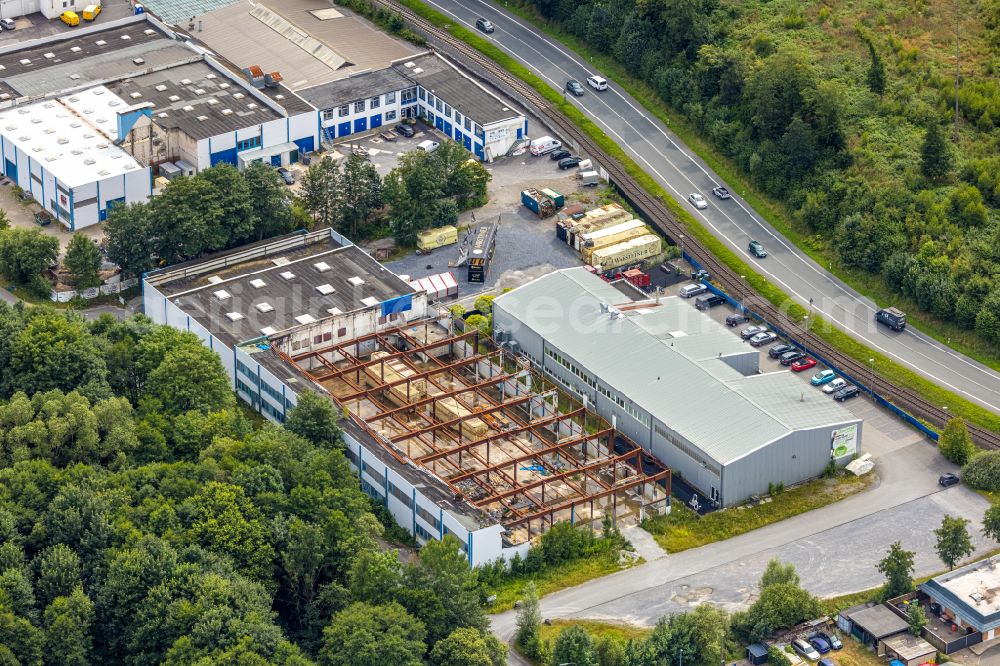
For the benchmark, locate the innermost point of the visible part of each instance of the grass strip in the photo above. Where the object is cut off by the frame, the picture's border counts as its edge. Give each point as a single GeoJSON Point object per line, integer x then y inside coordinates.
{"type": "Point", "coordinates": [889, 369]}
{"type": "Point", "coordinates": [682, 528]}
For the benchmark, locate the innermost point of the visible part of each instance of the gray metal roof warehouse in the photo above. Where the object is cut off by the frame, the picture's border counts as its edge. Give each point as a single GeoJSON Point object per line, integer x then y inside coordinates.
{"type": "Point", "coordinates": [677, 382]}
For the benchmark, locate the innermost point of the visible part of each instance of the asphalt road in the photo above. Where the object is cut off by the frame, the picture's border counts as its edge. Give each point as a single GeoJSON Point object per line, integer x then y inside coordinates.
{"type": "Point", "coordinates": [673, 164]}
{"type": "Point", "coordinates": [834, 548]}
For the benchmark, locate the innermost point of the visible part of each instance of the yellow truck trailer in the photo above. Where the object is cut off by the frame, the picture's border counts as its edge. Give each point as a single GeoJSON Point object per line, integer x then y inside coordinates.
{"type": "Point", "coordinates": [618, 233]}
{"type": "Point", "coordinates": [629, 252]}
{"type": "Point", "coordinates": [435, 238]}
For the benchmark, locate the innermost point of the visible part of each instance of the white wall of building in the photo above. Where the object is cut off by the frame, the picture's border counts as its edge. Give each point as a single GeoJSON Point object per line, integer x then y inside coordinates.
{"type": "Point", "coordinates": [361, 116]}
{"type": "Point", "coordinates": [227, 147]}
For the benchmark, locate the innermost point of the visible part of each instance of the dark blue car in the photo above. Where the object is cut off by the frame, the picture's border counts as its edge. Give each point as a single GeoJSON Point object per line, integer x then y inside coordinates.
{"type": "Point", "coordinates": [821, 646]}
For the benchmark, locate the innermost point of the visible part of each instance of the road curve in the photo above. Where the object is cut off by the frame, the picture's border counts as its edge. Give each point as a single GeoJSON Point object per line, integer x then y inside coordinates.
{"type": "Point", "coordinates": [658, 151]}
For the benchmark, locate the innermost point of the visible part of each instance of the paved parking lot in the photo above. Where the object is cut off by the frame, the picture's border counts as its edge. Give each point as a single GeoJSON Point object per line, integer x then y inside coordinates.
{"type": "Point", "coordinates": [34, 26]}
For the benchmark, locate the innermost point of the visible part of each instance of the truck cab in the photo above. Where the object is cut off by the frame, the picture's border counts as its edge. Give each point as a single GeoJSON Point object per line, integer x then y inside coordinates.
{"type": "Point", "coordinates": [891, 317]}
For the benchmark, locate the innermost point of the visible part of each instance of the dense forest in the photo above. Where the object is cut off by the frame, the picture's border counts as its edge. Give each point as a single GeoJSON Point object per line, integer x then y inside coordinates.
{"type": "Point", "coordinates": [146, 519]}
{"type": "Point", "coordinates": [844, 112]}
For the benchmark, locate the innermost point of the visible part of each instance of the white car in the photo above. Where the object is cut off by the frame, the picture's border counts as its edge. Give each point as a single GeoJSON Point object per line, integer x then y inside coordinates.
{"type": "Point", "coordinates": [428, 146]}
{"type": "Point", "coordinates": [698, 201]}
{"type": "Point", "coordinates": [805, 649]}
{"type": "Point", "coordinates": [597, 83]}
{"type": "Point", "coordinates": [835, 385]}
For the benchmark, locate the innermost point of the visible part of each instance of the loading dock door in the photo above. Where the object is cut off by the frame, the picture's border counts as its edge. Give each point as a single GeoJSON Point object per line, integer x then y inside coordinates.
{"type": "Point", "coordinates": [276, 160]}
{"type": "Point", "coordinates": [360, 124]}
{"type": "Point", "coordinates": [439, 123]}
{"type": "Point", "coordinates": [344, 129]}
{"type": "Point", "coordinates": [468, 142]}
{"type": "Point", "coordinates": [11, 170]}
{"type": "Point", "coordinates": [376, 121]}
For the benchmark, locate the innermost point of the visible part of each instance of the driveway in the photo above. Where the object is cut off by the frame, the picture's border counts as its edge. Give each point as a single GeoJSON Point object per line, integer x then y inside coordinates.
{"type": "Point", "coordinates": [834, 548]}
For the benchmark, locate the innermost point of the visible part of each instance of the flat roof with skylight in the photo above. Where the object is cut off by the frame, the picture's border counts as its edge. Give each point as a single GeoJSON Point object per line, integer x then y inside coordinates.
{"type": "Point", "coordinates": [72, 136]}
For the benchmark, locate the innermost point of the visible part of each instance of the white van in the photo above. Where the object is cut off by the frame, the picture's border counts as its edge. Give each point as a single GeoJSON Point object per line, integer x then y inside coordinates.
{"type": "Point", "coordinates": [544, 144]}
{"type": "Point", "coordinates": [428, 146]}
{"type": "Point", "coordinates": [689, 290]}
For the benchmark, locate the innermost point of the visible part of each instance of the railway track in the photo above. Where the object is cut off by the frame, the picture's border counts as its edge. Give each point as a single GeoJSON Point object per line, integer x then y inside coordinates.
{"type": "Point", "coordinates": [657, 213]}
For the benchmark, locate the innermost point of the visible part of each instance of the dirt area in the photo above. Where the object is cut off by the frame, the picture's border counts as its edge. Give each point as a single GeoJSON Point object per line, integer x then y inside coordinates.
{"type": "Point", "coordinates": [35, 26]}
{"type": "Point", "coordinates": [21, 214]}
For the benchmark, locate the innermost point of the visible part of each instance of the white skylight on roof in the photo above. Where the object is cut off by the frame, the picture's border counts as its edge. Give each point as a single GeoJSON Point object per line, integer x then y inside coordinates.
{"type": "Point", "coordinates": [257, 283]}
{"type": "Point", "coordinates": [279, 261]}
{"type": "Point", "coordinates": [126, 37]}
{"type": "Point", "coordinates": [161, 87]}
{"type": "Point", "coordinates": [356, 281]}
{"type": "Point", "coordinates": [100, 42]}
{"type": "Point", "coordinates": [234, 316]}
{"type": "Point", "coordinates": [75, 49]}
{"type": "Point", "coordinates": [267, 330]}
{"type": "Point", "coordinates": [325, 289]}
{"type": "Point", "coordinates": [370, 301]}
{"type": "Point", "coordinates": [335, 311]}
{"type": "Point", "coordinates": [265, 307]}
{"type": "Point", "coordinates": [321, 266]}
{"type": "Point", "coordinates": [189, 108]}
{"type": "Point", "coordinates": [251, 105]}
{"type": "Point", "coordinates": [174, 98]}
{"type": "Point", "coordinates": [215, 279]}
{"type": "Point", "coordinates": [238, 95]}
{"type": "Point", "coordinates": [50, 55]}
{"type": "Point", "coordinates": [210, 76]}
{"type": "Point", "coordinates": [221, 294]}
{"type": "Point", "coordinates": [288, 275]}
{"type": "Point", "coordinates": [305, 319]}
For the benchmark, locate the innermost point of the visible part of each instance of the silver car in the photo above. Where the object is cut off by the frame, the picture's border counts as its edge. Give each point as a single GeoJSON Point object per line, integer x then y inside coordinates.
{"type": "Point", "coordinates": [762, 339]}
{"type": "Point", "coordinates": [698, 200]}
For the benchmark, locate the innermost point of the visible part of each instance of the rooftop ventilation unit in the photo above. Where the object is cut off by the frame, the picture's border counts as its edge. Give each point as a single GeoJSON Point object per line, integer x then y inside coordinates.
{"type": "Point", "coordinates": [189, 108]}
{"type": "Point", "coordinates": [224, 85]}
{"type": "Point", "coordinates": [221, 294]}
{"type": "Point", "coordinates": [75, 125]}
{"type": "Point", "coordinates": [234, 316]}
{"type": "Point", "coordinates": [75, 49]}
{"type": "Point", "coordinates": [76, 151]}
{"type": "Point", "coordinates": [104, 172]}
{"type": "Point", "coordinates": [321, 266]}
{"type": "Point", "coordinates": [273, 79]}
{"type": "Point", "coordinates": [409, 64]}
{"type": "Point", "coordinates": [227, 112]}
{"type": "Point", "coordinates": [257, 283]}
{"type": "Point", "coordinates": [255, 75]}
{"type": "Point", "coordinates": [174, 98]}
{"type": "Point", "coordinates": [418, 70]}
{"type": "Point", "coordinates": [149, 31]}
{"type": "Point", "coordinates": [136, 95]}
{"type": "Point", "coordinates": [356, 281]}
{"type": "Point", "coordinates": [267, 330]}
{"type": "Point", "coordinates": [160, 87]}
{"type": "Point", "coordinates": [50, 55]}
{"type": "Point", "coordinates": [210, 76]}
{"type": "Point", "coordinates": [279, 97]}
{"type": "Point", "coordinates": [288, 275]}
{"type": "Point", "coordinates": [100, 42]}
{"type": "Point", "coordinates": [305, 319]}
{"type": "Point", "coordinates": [238, 95]}
{"type": "Point", "coordinates": [138, 61]}
{"type": "Point", "coordinates": [325, 289]}
{"type": "Point", "coordinates": [202, 118]}
{"type": "Point", "coordinates": [89, 161]}
{"type": "Point", "coordinates": [251, 105]}
{"type": "Point", "coordinates": [185, 82]}
{"type": "Point", "coordinates": [50, 130]}
{"type": "Point", "coordinates": [25, 61]}
{"type": "Point", "coordinates": [215, 279]}
{"type": "Point", "coordinates": [199, 91]}
{"type": "Point", "coordinates": [212, 101]}
{"type": "Point", "coordinates": [126, 37]}
{"type": "Point", "coordinates": [265, 307]}
{"type": "Point", "coordinates": [75, 77]}
{"type": "Point", "coordinates": [62, 141]}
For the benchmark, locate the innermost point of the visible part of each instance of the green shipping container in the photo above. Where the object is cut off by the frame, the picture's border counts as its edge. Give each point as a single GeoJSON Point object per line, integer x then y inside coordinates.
{"type": "Point", "coordinates": [558, 199]}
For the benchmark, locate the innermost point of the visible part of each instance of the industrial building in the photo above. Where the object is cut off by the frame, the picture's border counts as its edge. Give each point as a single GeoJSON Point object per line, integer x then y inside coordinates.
{"type": "Point", "coordinates": [676, 382]}
{"type": "Point", "coordinates": [90, 117]}
{"type": "Point", "coordinates": [446, 428]}
{"type": "Point", "coordinates": [357, 77]}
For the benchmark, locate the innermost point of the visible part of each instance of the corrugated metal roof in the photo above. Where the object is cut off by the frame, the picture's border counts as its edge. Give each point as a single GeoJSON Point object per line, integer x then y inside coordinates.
{"type": "Point", "coordinates": [670, 360]}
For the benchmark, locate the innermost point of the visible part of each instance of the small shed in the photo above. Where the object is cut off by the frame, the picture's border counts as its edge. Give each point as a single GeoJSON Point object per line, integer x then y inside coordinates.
{"type": "Point", "coordinates": [757, 654]}
{"type": "Point", "coordinates": [872, 624]}
{"type": "Point", "coordinates": [908, 649]}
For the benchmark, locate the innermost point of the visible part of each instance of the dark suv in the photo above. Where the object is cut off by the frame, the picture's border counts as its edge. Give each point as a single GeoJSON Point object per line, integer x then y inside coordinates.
{"type": "Point", "coordinates": [847, 393]}
{"type": "Point", "coordinates": [791, 357]}
{"type": "Point", "coordinates": [706, 302]}
{"type": "Point", "coordinates": [778, 350]}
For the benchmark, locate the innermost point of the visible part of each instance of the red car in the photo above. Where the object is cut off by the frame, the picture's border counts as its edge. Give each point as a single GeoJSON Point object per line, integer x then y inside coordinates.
{"type": "Point", "coordinates": [803, 364]}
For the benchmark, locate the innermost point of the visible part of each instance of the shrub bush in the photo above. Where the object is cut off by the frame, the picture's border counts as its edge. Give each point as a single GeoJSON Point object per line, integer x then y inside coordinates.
{"type": "Point", "coordinates": [983, 471]}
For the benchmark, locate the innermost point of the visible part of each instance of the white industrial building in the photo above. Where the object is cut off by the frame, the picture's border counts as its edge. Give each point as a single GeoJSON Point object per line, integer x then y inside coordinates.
{"type": "Point", "coordinates": [678, 383]}
{"type": "Point", "coordinates": [63, 152]}
{"type": "Point", "coordinates": [93, 116]}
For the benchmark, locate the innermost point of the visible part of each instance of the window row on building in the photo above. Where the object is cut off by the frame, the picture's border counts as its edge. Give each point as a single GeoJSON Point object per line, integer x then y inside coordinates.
{"type": "Point", "coordinates": [408, 96]}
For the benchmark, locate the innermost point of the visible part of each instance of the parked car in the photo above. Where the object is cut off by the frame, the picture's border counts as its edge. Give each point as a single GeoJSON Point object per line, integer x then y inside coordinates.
{"type": "Point", "coordinates": [821, 645]}
{"type": "Point", "coordinates": [751, 331]}
{"type": "Point", "coordinates": [791, 357]}
{"type": "Point", "coordinates": [894, 318]}
{"type": "Point", "coordinates": [765, 338]}
{"type": "Point", "coordinates": [721, 192]}
{"type": "Point", "coordinates": [835, 385]}
{"type": "Point", "coordinates": [405, 129]}
{"type": "Point", "coordinates": [736, 319]}
{"type": "Point", "coordinates": [43, 219]}
{"type": "Point", "coordinates": [286, 176]}
{"type": "Point", "coordinates": [559, 155]}
{"type": "Point", "coordinates": [573, 87]}
{"type": "Point", "coordinates": [805, 649]}
{"type": "Point", "coordinates": [706, 302]}
{"type": "Point", "coordinates": [7, 24]}
{"type": "Point", "coordinates": [597, 83]}
{"type": "Point", "coordinates": [803, 364]}
{"type": "Point", "coordinates": [826, 662]}
{"type": "Point", "coordinates": [569, 162]}
{"type": "Point", "coordinates": [823, 377]}
{"type": "Point", "coordinates": [698, 200]}
{"type": "Point", "coordinates": [948, 479]}
{"type": "Point", "coordinates": [757, 249]}
{"type": "Point", "coordinates": [847, 393]}
{"type": "Point", "coordinates": [778, 350]}
{"type": "Point", "coordinates": [830, 638]}
{"type": "Point", "coordinates": [690, 290]}
{"type": "Point", "coordinates": [484, 25]}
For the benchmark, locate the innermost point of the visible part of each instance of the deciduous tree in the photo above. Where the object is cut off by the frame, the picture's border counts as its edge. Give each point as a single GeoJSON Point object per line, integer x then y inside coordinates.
{"type": "Point", "coordinates": [83, 262]}
{"type": "Point", "coordinates": [191, 377]}
{"type": "Point", "coordinates": [953, 540]}
{"type": "Point", "coordinates": [574, 646]}
{"type": "Point", "coordinates": [469, 647]}
{"type": "Point", "coordinates": [955, 443]}
{"type": "Point", "coordinates": [315, 418]}
{"type": "Point", "coordinates": [68, 620]}
{"type": "Point", "coordinates": [366, 635]}
{"type": "Point", "coordinates": [916, 618]}
{"type": "Point", "coordinates": [529, 622]}
{"type": "Point", "coordinates": [897, 567]}
{"type": "Point", "coordinates": [25, 253]}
